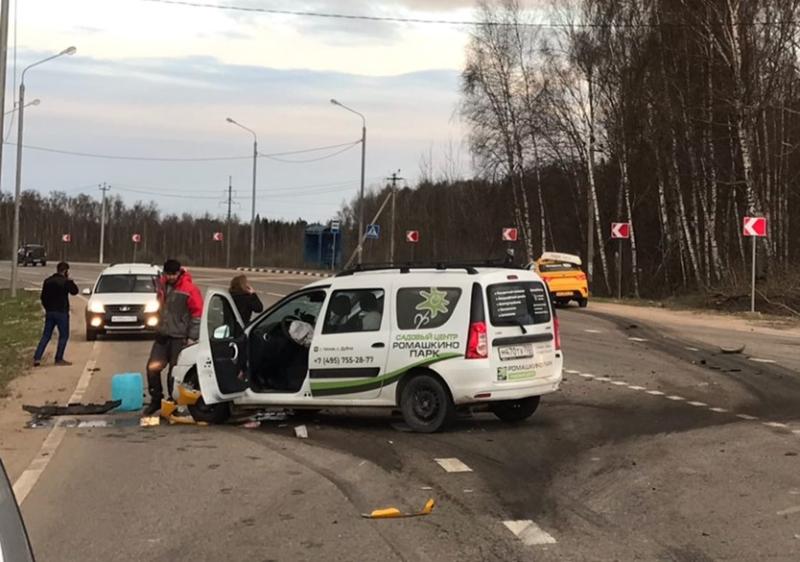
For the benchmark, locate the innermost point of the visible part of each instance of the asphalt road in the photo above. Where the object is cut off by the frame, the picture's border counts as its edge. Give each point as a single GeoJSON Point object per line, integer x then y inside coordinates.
{"type": "Point", "coordinates": [658, 447]}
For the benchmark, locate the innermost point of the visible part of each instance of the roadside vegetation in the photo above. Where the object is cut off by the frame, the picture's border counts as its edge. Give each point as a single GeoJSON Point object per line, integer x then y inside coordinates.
{"type": "Point", "coordinates": [20, 327]}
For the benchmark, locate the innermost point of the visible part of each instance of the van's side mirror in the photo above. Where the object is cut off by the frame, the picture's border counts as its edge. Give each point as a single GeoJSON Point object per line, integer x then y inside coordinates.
{"type": "Point", "coordinates": [86, 292]}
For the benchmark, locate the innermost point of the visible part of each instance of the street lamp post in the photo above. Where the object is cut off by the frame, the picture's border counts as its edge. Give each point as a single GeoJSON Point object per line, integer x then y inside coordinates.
{"type": "Point", "coordinates": [253, 211]}
{"type": "Point", "coordinates": [363, 164]}
{"type": "Point", "coordinates": [36, 101]}
{"type": "Point", "coordinates": [18, 183]}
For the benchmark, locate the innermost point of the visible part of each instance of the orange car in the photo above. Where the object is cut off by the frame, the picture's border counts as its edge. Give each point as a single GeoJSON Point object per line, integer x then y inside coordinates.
{"type": "Point", "coordinates": [564, 277]}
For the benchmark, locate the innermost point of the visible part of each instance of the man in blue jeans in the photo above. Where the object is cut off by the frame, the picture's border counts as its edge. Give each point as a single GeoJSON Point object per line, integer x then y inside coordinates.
{"type": "Point", "coordinates": [55, 300]}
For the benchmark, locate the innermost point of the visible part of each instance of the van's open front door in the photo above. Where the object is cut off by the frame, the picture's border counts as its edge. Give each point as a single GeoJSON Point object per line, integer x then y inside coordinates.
{"type": "Point", "coordinates": [222, 361]}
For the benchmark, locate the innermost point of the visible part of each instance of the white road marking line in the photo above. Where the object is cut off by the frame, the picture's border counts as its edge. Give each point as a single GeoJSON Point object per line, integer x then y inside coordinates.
{"type": "Point", "coordinates": [603, 379]}
{"type": "Point", "coordinates": [637, 339]}
{"type": "Point", "coordinates": [453, 465]}
{"type": "Point", "coordinates": [635, 387]}
{"type": "Point", "coordinates": [593, 331]}
{"type": "Point", "coordinates": [757, 360]}
{"type": "Point", "coordinates": [691, 349]}
{"type": "Point", "coordinates": [775, 424]}
{"type": "Point", "coordinates": [619, 383]}
{"type": "Point", "coordinates": [796, 431]}
{"type": "Point", "coordinates": [655, 392]}
{"type": "Point", "coordinates": [675, 397]}
{"type": "Point", "coordinates": [27, 480]}
{"type": "Point", "coordinates": [586, 375]}
{"type": "Point", "coordinates": [571, 372]}
{"type": "Point", "coordinates": [789, 511]}
{"type": "Point", "coordinates": [746, 417]}
{"type": "Point", "coordinates": [698, 404]}
{"type": "Point", "coordinates": [529, 532]}
{"type": "Point", "coordinates": [719, 410]}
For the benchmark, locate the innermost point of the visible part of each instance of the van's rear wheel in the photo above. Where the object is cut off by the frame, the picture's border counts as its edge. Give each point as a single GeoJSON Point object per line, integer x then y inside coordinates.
{"type": "Point", "coordinates": [426, 404]}
{"type": "Point", "coordinates": [514, 411]}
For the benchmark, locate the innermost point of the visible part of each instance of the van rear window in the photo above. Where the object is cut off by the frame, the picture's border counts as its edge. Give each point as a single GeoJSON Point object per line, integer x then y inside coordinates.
{"type": "Point", "coordinates": [426, 308]}
{"type": "Point", "coordinates": [525, 302]}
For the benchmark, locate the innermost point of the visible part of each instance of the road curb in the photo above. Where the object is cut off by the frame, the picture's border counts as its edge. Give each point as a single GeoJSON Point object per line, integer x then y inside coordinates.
{"type": "Point", "coordinates": [284, 271]}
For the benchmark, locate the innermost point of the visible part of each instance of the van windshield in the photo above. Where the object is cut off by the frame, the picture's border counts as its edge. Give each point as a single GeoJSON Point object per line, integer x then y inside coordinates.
{"type": "Point", "coordinates": [126, 284]}
{"type": "Point", "coordinates": [524, 302]}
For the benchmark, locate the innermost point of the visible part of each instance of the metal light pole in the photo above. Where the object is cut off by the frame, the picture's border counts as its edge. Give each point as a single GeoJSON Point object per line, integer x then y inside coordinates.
{"type": "Point", "coordinates": [18, 183]}
{"type": "Point", "coordinates": [104, 188]}
{"type": "Point", "coordinates": [3, 57]}
{"type": "Point", "coordinates": [37, 101]}
{"type": "Point", "coordinates": [363, 164]}
{"type": "Point", "coordinates": [253, 213]}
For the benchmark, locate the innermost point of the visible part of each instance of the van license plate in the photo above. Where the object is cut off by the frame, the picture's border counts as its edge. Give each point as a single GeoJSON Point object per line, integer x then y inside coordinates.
{"type": "Point", "coordinates": [511, 352]}
{"type": "Point", "coordinates": [124, 319]}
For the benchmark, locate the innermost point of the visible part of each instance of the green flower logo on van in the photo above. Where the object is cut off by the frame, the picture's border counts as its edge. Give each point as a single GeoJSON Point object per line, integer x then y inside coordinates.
{"type": "Point", "coordinates": [435, 302]}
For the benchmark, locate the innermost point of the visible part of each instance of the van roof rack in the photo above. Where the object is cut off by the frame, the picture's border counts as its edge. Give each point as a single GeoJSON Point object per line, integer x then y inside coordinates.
{"type": "Point", "coordinates": [469, 266]}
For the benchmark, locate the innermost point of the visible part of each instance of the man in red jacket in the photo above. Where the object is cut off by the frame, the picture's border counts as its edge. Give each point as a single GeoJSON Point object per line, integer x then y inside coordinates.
{"type": "Point", "coordinates": [181, 311]}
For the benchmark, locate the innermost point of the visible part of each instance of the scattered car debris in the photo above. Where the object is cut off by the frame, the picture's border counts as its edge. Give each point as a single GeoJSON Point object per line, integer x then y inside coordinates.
{"type": "Point", "coordinates": [301, 432]}
{"type": "Point", "coordinates": [394, 513]}
{"type": "Point", "coordinates": [149, 421]}
{"type": "Point", "coordinates": [251, 424]}
{"type": "Point", "coordinates": [49, 410]}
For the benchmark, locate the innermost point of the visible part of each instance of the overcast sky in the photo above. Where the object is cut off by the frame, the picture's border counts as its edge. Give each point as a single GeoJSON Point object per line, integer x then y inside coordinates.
{"type": "Point", "coordinates": [152, 79]}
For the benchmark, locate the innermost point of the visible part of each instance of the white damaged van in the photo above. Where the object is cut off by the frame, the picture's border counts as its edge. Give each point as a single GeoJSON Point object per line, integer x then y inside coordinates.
{"type": "Point", "coordinates": [425, 340]}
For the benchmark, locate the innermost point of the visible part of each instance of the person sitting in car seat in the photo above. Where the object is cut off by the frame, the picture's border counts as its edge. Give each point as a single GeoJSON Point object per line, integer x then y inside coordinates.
{"type": "Point", "coordinates": [370, 313]}
{"type": "Point", "coordinates": [339, 312]}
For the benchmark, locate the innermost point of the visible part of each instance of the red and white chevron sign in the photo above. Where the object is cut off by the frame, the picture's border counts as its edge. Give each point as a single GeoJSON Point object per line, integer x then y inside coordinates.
{"type": "Point", "coordinates": [510, 234]}
{"type": "Point", "coordinates": [66, 238]}
{"type": "Point", "coordinates": [136, 238]}
{"type": "Point", "coordinates": [412, 236]}
{"type": "Point", "coordinates": [621, 230]}
{"type": "Point", "coordinates": [218, 237]}
{"type": "Point", "coordinates": [755, 226]}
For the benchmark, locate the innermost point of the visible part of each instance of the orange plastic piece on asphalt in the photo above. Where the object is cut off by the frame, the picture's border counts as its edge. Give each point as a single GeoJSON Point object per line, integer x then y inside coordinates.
{"type": "Point", "coordinates": [167, 408]}
{"type": "Point", "coordinates": [394, 513]}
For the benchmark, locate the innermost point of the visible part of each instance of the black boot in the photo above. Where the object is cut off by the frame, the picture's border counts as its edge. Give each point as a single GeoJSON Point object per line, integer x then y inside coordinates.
{"type": "Point", "coordinates": [152, 408]}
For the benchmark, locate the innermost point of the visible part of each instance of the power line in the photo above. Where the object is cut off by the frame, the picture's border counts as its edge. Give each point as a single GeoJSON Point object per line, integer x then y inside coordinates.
{"type": "Point", "coordinates": [347, 146]}
{"type": "Point", "coordinates": [318, 159]}
{"type": "Point", "coordinates": [396, 19]}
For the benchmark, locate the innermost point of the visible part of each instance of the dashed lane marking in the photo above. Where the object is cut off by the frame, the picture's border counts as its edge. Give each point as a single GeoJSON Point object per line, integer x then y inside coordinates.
{"type": "Point", "coordinates": [747, 417]}
{"type": "Point", "coordinates": [529, 532]}
{"type": "Point", "coordinates": [691, 349]}
{"type": "Point", "coordinates": [586, 375]}
{"type": "Point", "coordinates": [759, 360]}
{"type": "Point", "coordinates": [719, 410]}
{"type": "Point", "coordinates": [603, 379]}
{"type": "Point", "coordinates": [571, 371]}
{"type": "Point", "coordinates": [676, 398]}
{"type": "Point", "coordinates": [593, 331]}
{"type": "Point", "coordinates": [635, 387]}
{"type": "Point", "coordinates": [697, 404]}
{"type": "Point", "coordinates": [453, 465]}
{"type": "Point", "coordinates": [637, 339]}
{"type": "Point", "coordinates": [619, 383]}
{"type": "Point", "coordinates": [776, 424]}
{"type": "Point", "coordinates": [655, 393]}
{"type": "Point", "coordinates": [789, 511]}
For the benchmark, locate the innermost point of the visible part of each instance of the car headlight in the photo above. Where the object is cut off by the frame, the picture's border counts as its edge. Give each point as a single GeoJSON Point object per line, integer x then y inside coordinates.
{"type": "Point", "coordinates": [97, 307]}
{"type": "Point", "coordinates": [152, 306]}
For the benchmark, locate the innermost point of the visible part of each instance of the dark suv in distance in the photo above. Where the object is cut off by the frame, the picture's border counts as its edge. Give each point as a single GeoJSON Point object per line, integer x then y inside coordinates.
{"type": "Point", "coordinates": [32, 254]}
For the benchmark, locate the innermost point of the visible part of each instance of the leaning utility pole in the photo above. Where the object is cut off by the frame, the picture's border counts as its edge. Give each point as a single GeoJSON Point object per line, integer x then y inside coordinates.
{"type": "Point", "coordinates": [104, 188]}
{"type": "Point", "coordinates": [228, 233]}
{"type": "Point", "coordinates": [393, 178]}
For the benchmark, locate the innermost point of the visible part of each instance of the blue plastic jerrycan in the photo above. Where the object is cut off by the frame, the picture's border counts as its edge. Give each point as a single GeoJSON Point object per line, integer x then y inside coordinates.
{"type": "Point", "coordinates": [128, 387]}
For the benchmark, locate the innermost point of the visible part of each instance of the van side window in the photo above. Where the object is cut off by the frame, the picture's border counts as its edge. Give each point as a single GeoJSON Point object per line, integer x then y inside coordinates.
{"type": "Point", "coordinates": [357, 310]}
{"type": "Point", "coordinates": [425, 308]}
{"type": "Point", "coordinates": [222, 323]}
{"type": "Point", "coordinates": [525, 302]}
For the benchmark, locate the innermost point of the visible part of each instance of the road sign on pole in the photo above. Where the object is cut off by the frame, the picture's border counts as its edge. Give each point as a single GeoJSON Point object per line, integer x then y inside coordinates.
{"type": "Point", "coordinates": [66, 238]}
{"type": "Point", "coordinates": [510, 234]}
{"type": "Point", "coordinates": [136, 238]}
{"type": "Point", "coordinates": [373, 231]}
{"type": "Point", "coordinates": [754, 228]}
{"type": "Point", "coordinates": [412, 236]}
{"type": "Point", "coordinates": [620, 230]}
{"type": "Point", "coordinates": [218, 237]}
{"type": "Point", "coordinates": [335, 225]}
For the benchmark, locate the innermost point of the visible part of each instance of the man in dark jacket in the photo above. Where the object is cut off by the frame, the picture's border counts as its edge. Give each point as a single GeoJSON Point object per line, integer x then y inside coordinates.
{"type": "Point", "coordinates": [181, 311]}
{"type": "Point", "coordinates": [55, 300]}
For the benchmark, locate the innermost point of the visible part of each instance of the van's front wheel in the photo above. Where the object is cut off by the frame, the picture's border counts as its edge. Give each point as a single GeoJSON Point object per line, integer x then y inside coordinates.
{"type": "Point", "coordinates": [202, 412]}
{"type": "Point", "coordinates": [514, 411]}
{"type": "Point", "coordinates": [426, 404]}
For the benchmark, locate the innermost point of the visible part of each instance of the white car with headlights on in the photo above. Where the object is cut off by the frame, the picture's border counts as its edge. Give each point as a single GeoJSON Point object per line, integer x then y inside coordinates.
{"type": "Point", "coordinates": [124, 299]}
